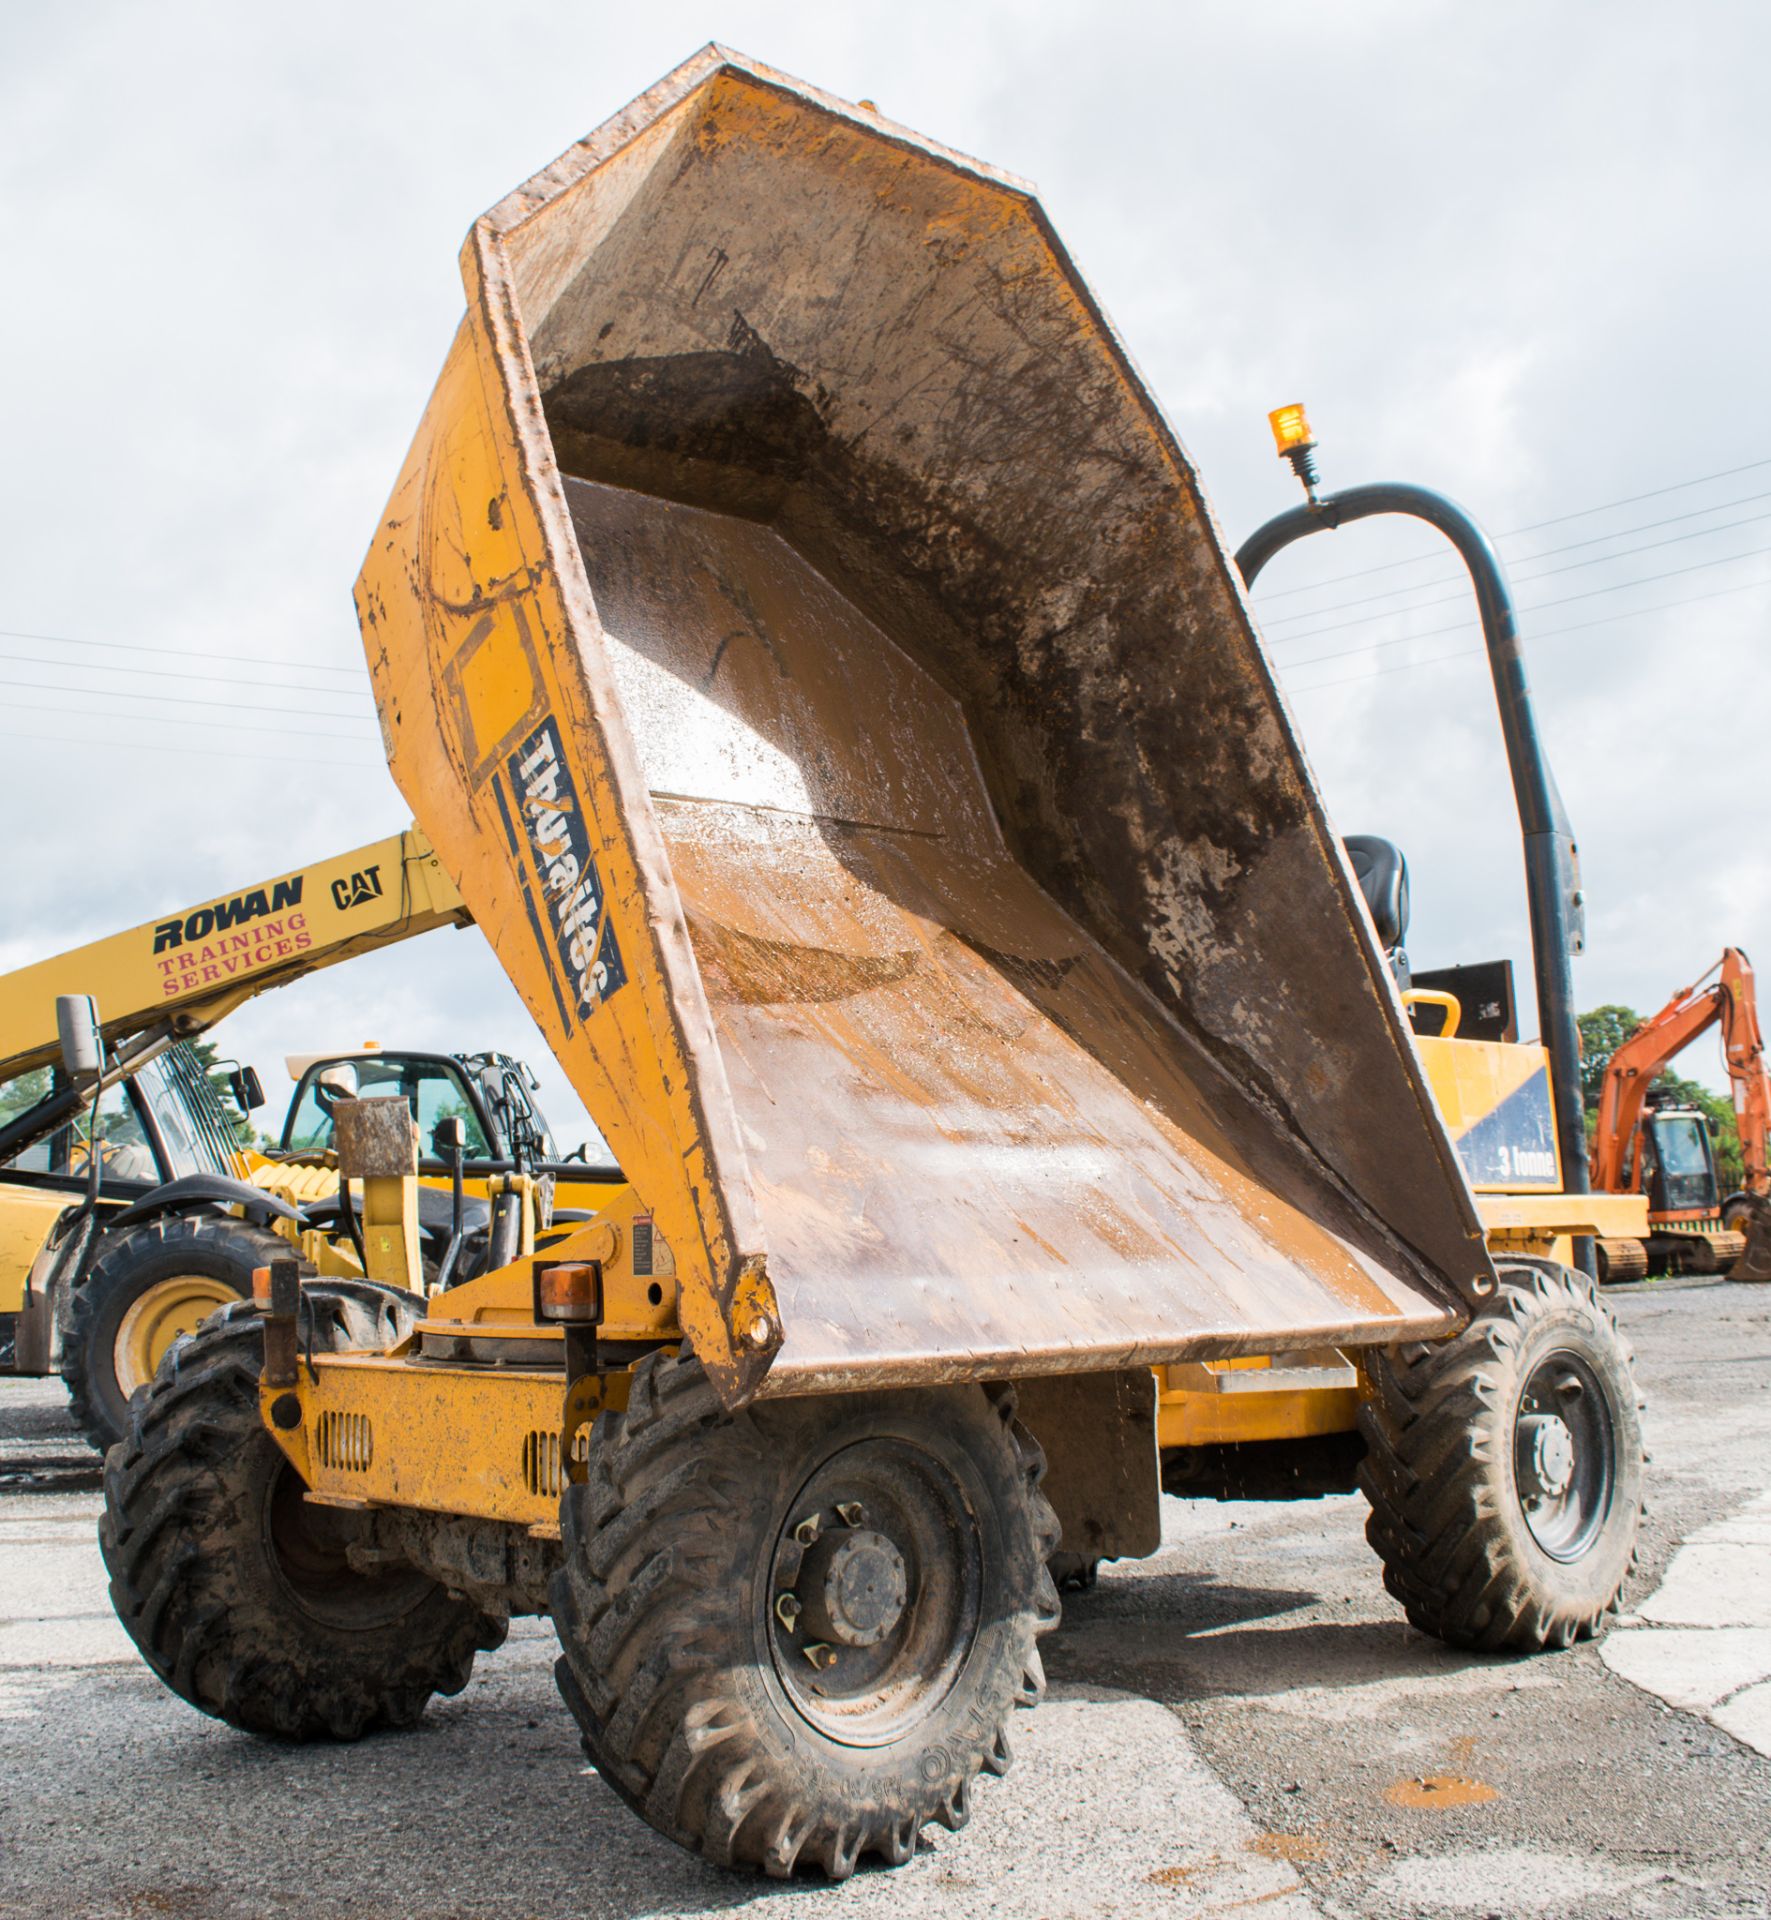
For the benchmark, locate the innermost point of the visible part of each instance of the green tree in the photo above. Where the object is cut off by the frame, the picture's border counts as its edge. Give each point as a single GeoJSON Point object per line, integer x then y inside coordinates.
{"type": "Point", "coordinates": [1602, 1032]}
{"type": "Point", "coordinates": [209, 1059]}
{"type": "Point", "coordinates": [24, 1092]}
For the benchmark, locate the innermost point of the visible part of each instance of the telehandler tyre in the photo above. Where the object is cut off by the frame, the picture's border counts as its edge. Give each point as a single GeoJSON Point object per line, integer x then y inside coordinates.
{"type": "Point", "coordinates": [238, 1592]}
{"type": "Point", "coordinates": [1504, 1467]}
{"type": "Point", "coordinates": [796, 1633]}
{"type": "Point", "coordinates": [149, 1286]}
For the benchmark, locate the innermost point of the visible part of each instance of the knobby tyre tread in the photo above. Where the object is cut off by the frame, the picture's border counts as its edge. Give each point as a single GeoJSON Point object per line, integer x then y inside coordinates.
{"type": "Point", "coordinates": [283, 1640]}
{"type": "Point", "coordinates": [668, 1689]}
{"type": "Point", "coordinates": [1445, 1514]}
{"type": "Point", "coordinates": [219, 1248]}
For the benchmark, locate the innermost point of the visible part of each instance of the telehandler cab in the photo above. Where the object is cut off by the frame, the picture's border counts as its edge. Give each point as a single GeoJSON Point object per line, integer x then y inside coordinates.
{"type": "Point", "coordinates": [811, 653]}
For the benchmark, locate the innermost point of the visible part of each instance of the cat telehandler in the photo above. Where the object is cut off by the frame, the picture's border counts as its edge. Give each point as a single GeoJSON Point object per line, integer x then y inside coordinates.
{"type": "Point", "coordinates": [130, 1209]}
{"type": "Point", "coordinates": [811, 654]}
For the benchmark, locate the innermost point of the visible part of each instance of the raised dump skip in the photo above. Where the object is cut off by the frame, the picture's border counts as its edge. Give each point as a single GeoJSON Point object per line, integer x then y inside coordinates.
{"type": "Point", "coordinates": [810, 652]}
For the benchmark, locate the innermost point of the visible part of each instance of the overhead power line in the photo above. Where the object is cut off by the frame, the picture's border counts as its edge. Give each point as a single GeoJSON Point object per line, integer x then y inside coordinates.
{"type": "Point", "coordinates": [1512, 533]}
{"type": "Point", "coordinates": [188, 700]}
{"type": "Point", "coordinates": [205, 679]}
{"type": "Point", "coordinates": [181, 653]}
{"type": "Point", "coordinates": [1520, 579]}
{"type": "Point", "coordinates": [210, 753]}
{"type": "Point", "coordinates": [1548, 633]}
{"type": "Point", "coordinates": [1635, 499]}
{"type": "Point", "coordinates": [173, 720]}
{"type": "Point", "coordinates": [1568, 599]}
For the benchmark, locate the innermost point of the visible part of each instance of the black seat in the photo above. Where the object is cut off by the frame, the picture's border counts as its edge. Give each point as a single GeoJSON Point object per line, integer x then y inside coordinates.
{"type": "Point", "coordinates": [1383, 879]}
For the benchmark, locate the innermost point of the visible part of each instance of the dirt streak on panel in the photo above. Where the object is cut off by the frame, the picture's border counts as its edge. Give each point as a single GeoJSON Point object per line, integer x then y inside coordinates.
{"type": "Point", "coordinates": [950, 1094]}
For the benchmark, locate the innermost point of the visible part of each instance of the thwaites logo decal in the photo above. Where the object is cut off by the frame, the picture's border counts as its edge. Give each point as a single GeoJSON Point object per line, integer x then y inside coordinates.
{"type": "Point", "coordinates": [572, 905]}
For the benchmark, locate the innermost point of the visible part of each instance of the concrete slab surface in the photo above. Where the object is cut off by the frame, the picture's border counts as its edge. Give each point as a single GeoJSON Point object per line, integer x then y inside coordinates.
{"type": "Point", "coordinates": [1243, 1726]}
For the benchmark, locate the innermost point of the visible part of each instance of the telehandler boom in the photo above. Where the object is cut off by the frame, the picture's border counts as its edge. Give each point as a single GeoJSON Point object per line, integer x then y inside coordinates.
{"type": "Point", "coordinates": [174, 977]}
{"type": "Point", "coordinates": [811, 653]}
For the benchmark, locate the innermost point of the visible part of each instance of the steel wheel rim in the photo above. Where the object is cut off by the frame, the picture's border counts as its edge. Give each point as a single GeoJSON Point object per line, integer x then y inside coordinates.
{"type": "Point", "coordinates": [159, 1315]}
{"type": "Point", "coordinates": [308, 1547]}
{"type": "Point", "coordinates": [873, 1695]}
{"type": "Point", "coordinates": [1565, 1455]}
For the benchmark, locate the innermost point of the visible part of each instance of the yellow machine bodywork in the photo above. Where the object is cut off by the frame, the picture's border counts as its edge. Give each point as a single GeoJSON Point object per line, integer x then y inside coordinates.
{"type": "Point", "coordinates": [496, 1437]}
{"type": "Point", "coordinates": [921, 1018]}
{"type": "Point", "coordinates": [672, 881]}
{"type": "Point", "coordinates": [181, 973]}
{"type": "Point", "coordinates": [1494, 1098]}
{"type": "Point", "coordinates": [1476, 1084]}
{"type": "Point", "coordinates": [923, 994]}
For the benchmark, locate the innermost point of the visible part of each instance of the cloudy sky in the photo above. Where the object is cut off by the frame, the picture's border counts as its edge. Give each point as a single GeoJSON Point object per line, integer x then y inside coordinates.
{"type": "Point", "coordinates": [1516, 251]}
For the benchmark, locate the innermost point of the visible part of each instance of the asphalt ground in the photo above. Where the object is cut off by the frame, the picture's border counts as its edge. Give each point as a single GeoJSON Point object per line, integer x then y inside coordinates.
{"type": "Point", "coordinates": [1242, 1726]}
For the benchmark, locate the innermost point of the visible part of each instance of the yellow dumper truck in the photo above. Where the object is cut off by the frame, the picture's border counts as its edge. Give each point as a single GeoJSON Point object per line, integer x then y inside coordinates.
{"type": "Point", "coordinates": [812, 656]}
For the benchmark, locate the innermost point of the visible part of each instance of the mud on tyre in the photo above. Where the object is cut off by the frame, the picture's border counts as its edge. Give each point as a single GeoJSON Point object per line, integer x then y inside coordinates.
{"type": "Point", "coordinates": [239, 1593]}
{"type": "Point", "coordinates": [794, 1635]}
{"type": "Point", "coordinates": [1504, 1467]}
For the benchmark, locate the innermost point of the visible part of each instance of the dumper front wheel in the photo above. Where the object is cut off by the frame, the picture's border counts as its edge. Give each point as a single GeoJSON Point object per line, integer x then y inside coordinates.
{"type": "Point", "coordinates": [240, 1593]}
{"type": "Point", "coordinates": [796, 1634]}
{"type": "Point", "coordinates": [1504, 1467]}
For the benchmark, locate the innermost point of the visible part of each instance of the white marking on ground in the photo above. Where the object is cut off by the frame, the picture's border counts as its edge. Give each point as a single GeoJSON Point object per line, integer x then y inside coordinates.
{"type": "Point", "coordinates": [1503, 1880]}
{"type": "Point", "coordinates": [1709, 1648]}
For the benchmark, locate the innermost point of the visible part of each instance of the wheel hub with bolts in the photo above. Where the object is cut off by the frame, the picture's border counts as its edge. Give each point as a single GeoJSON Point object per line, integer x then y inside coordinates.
{"type": "Point", "coordinates": [1563, 1461]}
{"type": "Point", "coordinates": [1547, 1456]}
{"type": "Point", "coordinates": [853, 1587]}
{"type": "Point", "coordinates": [871, 1611]}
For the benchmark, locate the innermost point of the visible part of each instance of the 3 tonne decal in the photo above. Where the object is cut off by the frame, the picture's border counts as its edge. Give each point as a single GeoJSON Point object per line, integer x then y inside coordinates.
{"type": "Point", "coordinates": [571, 913]}
{"type": "Point", "coordinates": [1514, 1143]}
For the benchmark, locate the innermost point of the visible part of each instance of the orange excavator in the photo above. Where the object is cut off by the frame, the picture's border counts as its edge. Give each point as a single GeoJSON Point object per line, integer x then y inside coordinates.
{"type": "Point", "coordinates": [1642, 1144]}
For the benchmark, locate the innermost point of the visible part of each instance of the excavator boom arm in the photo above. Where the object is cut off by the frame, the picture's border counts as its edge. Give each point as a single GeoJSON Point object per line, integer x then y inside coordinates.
{"type": "Point", "coordinates": [1730, 1001]}
{"type": "Point", "coordinates": [1743, 1047]}
{"type": "Point", "coordinates": [191, 968]}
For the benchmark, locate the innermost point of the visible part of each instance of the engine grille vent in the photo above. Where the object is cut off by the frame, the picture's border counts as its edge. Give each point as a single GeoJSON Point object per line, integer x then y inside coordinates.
{"type": "Point", "coordinates": [541, 1460]}
{"type": "Point", "coordinates": [345, 1441]}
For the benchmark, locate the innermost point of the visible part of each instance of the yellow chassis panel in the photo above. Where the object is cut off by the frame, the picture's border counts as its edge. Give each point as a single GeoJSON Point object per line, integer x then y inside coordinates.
{"type": "Point", "coordinates": [1605, 1216]}
{"type": "Point", "coordinates": [387, 1431]}
{"type": "Point", "coordinates": [1208, 1419]}
{"type": "Point", "coordinates": [494, 1444]}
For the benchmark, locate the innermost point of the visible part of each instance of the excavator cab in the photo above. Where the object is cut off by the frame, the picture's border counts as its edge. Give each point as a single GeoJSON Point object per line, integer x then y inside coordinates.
{"type": "Point", "coordinates": [1678, 1169]}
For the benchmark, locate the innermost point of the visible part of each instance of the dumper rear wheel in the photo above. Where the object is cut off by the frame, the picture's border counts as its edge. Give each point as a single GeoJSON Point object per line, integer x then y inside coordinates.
{"type": "Point", "coordinates": [796, 1634]}
{"type": "Point", "coordinates": [240, 1594]}
{"type": "Point", "coordinates": [1504, 1467]}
